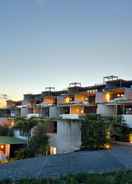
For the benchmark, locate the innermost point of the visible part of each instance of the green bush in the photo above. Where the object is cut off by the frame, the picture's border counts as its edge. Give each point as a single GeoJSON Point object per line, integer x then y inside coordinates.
{"type": "Point", "coordinates": [24, 153]}
{"type": "Point", "coordinates": [110, 178]}
{"type": "Point", "coordinates": [95, 132]}
{"type": "Point", "coordinates": [5, 131]}
{"type": "Point", "coordinates": [37, 144]}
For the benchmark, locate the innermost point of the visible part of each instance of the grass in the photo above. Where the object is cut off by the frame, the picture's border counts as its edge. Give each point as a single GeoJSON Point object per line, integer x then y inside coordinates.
{"type": "Point", "coordinates": [111, 178]}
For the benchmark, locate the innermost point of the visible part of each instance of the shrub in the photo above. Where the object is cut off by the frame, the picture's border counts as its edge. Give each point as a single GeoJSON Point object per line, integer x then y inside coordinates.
{"type": "Point", "coordinates": [95, 132]}
{"type": "Point", "coordinates": [24, 153]}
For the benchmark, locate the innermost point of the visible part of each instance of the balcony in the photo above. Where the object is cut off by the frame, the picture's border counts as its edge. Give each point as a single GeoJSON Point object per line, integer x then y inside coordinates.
{"type": "Point", "coordinates": [128, 119]}
{"type": "Point", "coordinates": [70, 116]}
{"type": "Point", "coordinates": [115, 96]}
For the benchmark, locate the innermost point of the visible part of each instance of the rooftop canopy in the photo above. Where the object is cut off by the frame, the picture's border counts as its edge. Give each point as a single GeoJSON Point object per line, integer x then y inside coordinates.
{"type": "Point", "coordinates": [11, 140]}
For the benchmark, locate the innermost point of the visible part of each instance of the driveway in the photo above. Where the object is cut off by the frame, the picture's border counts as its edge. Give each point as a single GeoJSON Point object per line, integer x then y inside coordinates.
{"type": "Point", "coordinates": [119, 158]}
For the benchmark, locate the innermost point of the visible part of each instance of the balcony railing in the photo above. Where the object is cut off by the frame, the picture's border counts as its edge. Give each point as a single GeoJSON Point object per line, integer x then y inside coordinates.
{"type": "Point", "coordinates": [70, 116]}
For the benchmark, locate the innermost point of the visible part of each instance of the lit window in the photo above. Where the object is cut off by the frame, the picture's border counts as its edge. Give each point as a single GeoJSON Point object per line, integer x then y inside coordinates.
{"type": "Point", "coordinates": [82, 111]}
{"type": "Point", "coordinates": [107, 97]}
{"type": "Point", "coordinates": [1, 146]}
{"type": "Point", "coordinates": [53, 150]}
{"type": "Point", "coordinates": [67, 100]}
{"type": "Point", "coordinates": [130, 138]}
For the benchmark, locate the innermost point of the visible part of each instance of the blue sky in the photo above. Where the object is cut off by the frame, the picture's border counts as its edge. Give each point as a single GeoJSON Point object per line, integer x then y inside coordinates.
{"type": "Point", "coordinates": [54, 42]}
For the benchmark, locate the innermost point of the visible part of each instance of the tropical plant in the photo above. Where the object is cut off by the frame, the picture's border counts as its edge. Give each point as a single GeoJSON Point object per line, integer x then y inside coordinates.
{"type": "Point", "coordinates": [97, 131]}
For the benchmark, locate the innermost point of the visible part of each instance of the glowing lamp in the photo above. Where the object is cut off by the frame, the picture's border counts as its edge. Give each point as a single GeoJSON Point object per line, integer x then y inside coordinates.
{"type": "Point", "coordinates": [2, 146]}
{"type": "Point", "coordinates": [107, 146]}
{"type": "Point", "coordinates": [82, 111]}
{"type": "Point", "coordinates": [118, 95]}
{"type": "Point", "coordinates": [12, 123]}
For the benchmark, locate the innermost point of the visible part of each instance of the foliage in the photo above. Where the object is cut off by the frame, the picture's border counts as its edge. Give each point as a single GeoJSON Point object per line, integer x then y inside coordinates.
{"type": "Point", "coordinates": [24, 153]}
{"type": "Point", "coordinates": [5, 131]}
{"type": "Point", "coordinates": [124, 177]}
{"type": "Point", "coordinates": [96, 131]}
{"type": "Point", "coordinates": [119, 129]}
{"type": "Point", "coordinates": [25, 125]}
{"type": "Point", "coordinates": [39, 139]}
{"type": "Point", "coordinates": [37, 144]}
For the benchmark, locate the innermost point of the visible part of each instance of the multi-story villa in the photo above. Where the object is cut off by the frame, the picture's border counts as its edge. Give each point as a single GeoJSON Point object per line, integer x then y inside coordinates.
{"type": "Point", "coordinates": [65, 108]}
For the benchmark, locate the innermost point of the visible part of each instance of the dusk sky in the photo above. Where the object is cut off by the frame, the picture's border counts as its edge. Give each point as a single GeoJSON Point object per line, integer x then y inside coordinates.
{"type": "Point", "coordinates": [54, 42]}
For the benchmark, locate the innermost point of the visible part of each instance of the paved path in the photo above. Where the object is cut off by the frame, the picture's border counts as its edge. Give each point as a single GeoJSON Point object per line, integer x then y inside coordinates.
{"type": "Point", "coordinates": [119, 158]}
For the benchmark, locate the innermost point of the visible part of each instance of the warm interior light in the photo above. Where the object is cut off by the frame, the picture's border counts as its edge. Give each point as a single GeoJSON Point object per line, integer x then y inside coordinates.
{"type": "Point", "coordinates": [82, 111]}
{"type": "Point", "coordinates": [107, 146]}
{"type": "Point", "coordinates": [12, 123]}
{"type": "Point", "coordinates": [77, 110]}
{"type": "Point", "coordinates": [49, 100]}
{"type": "Point", "coordinates": [86, 99]}
{"type": "Point", "coordinates": [1, 146]}
{"type": "Point", "coordinates": [107, 97]}
{"type": "Point", "coordinates": [130, 138]}
{"type": "Point", "coordinates": [53, 150]}
{"type": "Point", "coordinates": [3, 103]}
{"type": "Point", "coordinates": [67, 100]}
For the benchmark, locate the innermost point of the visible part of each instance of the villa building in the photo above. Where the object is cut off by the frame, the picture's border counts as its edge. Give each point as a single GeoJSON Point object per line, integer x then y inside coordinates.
{"type": "Point", "coordinates": [65, 108]}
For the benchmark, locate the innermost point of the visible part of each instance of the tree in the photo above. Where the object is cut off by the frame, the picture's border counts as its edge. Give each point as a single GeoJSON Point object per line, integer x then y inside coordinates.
{"type": "Point", "coordinates": [25, 125]}
{"type": "Point", "coordinates": [37, 144]}
{"type": "Point", "coordinates": [5, 131]}
{"type": "Point", "coordinates": [39, 139]}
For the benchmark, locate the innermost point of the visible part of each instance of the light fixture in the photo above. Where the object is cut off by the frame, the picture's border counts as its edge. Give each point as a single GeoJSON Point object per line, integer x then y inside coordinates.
{"type": "Point", "coordinates": [82, 111]}
{"type": "Point", "coordinates": [2, 146]}
{"type": "Point", "coordinates": [107, 146]}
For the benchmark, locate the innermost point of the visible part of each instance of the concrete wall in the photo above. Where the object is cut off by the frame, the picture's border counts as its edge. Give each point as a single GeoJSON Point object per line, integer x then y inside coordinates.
{"type": "Point", "coordinates": [128, 94]}
{"type": "Point", "coordinates": [24, 111]}
{"type": "Point", "coordinates": [105, 110]}
{"type": "Point", "coordinates": [68, 137]}
{"type": "Point", "coordinates": [128, 119]}
{"type": "Point", "coordinates": [53, 112]}
{"type": "Point", "coordinates": [99, 97]}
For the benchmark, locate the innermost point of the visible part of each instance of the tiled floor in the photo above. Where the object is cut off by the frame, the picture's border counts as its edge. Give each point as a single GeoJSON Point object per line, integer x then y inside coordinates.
{"type": "Point", "coordinates": [119, 158]}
